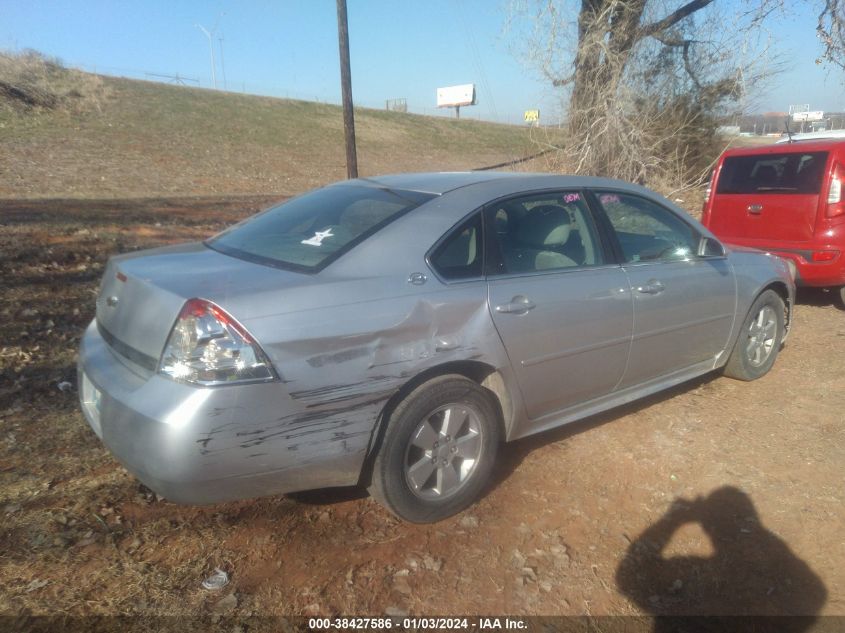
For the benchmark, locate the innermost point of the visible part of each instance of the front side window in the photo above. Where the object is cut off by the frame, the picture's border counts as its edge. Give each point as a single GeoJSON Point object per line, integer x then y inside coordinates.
{"type": "Point", "coordinates": [310, 231]}
{"type": "Point", "coordinates": [647, 231]}
{"type": "Point", "coordinates": [794, 172]}
{"type": "Point", "coordinates": [540, 232]}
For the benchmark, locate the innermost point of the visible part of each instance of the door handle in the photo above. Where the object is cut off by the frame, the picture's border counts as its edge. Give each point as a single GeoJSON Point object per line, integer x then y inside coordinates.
{"type": "Point", "coordinates": [518, 305]}
{"type": "Point", "coordinates": [755, 209]}
{"type": "Point", "coordinates": [653, 287]}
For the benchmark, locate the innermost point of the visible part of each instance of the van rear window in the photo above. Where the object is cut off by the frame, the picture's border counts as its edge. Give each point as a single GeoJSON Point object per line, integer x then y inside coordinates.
{"type": "Point", "coordinates": [794, 172]}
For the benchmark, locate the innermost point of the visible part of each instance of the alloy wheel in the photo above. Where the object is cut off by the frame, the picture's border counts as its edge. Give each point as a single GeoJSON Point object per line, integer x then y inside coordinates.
{"type": "Point", "coordinates": [444, 451]}
{"type": "Point", "coordinates": [762, 333]}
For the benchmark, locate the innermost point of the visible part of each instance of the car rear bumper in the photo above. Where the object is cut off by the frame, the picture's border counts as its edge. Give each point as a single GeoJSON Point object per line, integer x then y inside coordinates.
{"type": "Point", "coordinates": [808, 272]}
{"type": "Point", "coordinates": [206, 445]}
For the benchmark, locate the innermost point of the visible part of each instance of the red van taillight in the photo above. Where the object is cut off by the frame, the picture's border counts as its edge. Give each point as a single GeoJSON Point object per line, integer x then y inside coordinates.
{"type": "Point", "coordinates": [709, 189]}
{"type": "Point", "coordinates": [824, 256]}
{"type": "Point", "coordinates": [835, 204]}
{"type": "Point", "coordinates": [705, 210]}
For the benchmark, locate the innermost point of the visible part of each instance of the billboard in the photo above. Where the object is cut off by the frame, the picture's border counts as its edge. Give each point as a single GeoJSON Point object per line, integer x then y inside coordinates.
{"type": "Point", "coordinates": [814, 115]}
{"type": "Point", "coordinates": [454, 96]}
{"type": "Point", "coordinates": [532, 116]}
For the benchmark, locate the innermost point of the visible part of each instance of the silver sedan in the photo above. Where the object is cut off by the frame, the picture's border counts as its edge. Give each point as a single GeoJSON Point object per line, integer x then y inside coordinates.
{"type": "Point", "coordinates": [392, 332]}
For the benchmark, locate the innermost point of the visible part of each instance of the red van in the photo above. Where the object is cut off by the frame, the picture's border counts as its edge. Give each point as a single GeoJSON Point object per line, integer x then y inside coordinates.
{"type": "Point", "coordinates": [787, 199]}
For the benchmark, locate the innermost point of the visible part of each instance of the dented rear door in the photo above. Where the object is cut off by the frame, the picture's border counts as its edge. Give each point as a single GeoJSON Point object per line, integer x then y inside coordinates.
{"type": "Point", "coordinates": [569, 341]}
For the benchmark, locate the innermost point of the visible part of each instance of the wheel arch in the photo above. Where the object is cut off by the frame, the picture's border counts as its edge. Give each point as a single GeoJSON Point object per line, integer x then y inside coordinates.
{"type": "Point", "coordinates": [483, 374]}
{"type": "Point", "coordinates": [783, 291]}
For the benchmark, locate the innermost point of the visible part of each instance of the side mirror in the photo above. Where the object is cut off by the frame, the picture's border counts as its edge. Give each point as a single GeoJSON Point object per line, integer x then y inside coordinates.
{"type": "Point", "coordinates": [709, 247]}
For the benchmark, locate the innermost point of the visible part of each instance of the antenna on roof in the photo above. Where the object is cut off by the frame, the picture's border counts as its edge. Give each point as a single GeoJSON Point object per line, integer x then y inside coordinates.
{"type": "Point", "coordinates": [788, 131]}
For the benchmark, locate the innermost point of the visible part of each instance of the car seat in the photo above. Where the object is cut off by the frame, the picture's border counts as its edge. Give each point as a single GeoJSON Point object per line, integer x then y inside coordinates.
{"type": "Point", "coordinates": [540, 237]}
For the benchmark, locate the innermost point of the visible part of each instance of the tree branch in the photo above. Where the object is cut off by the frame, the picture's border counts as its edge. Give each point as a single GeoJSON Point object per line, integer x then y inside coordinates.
{"type": "Point", "coordinates": [673, 18]}
{"type": "Point", "coordinates": [684, 44]}
{"type": "Point", "coordinates": [831, 32]}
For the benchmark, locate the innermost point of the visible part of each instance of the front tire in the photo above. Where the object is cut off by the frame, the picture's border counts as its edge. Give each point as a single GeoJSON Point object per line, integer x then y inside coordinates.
{"type": "Point", "coordinates": [438, 450]}
{"type": "Point", "coordinates": [842, 298]}
{"type": "Point", "coordinates": [759, 339]}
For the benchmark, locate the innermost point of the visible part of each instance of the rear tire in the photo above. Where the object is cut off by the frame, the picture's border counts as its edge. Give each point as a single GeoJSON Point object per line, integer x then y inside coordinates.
{"type": "Point", "coordinates": [438, 450]}
{"type": "Point", "coordinates": [759, 340]}
{"type": "Point", "coordinates": [842, 297]}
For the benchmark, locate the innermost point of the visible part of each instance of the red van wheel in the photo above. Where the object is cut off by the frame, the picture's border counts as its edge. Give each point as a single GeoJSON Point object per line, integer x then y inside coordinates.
{"type": "Point", "coordinates": [842, 297]}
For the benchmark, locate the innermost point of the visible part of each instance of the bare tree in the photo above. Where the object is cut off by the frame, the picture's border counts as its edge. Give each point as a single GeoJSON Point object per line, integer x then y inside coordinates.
{"type": "Point", "coordinates": [646, 80]}
{"type": "Point", "coordinates": [831, 32]}
{"type": "Point", "coordinates": [608, 33]}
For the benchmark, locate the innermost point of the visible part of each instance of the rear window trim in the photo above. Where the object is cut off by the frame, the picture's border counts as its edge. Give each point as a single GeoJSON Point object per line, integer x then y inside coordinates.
{"type": "Point", "coordinates": [415, 199]}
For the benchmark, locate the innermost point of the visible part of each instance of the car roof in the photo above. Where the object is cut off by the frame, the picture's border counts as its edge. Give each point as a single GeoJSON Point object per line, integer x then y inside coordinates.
{"type": "Point", "coordinates": [810, 136]}
{"type": "Point", "coordinates": [809, 145]}
{"type": "Point", "coordinates": [443, 182]}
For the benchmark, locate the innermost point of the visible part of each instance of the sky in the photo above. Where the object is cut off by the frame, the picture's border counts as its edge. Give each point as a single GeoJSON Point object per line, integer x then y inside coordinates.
{"type": "Point", "coordinates": [399, 49]}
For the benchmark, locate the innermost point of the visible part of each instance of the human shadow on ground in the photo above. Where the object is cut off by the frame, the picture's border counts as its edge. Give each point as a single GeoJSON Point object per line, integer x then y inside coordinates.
{"type": "Point", "coordinates": [751, 580]}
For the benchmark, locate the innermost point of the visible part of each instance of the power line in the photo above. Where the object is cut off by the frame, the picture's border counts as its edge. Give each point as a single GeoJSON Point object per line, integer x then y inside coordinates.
{"type": "Point", "coordinates": [476, 60]}
{"type": "Point", "coordinates": [174, 79]}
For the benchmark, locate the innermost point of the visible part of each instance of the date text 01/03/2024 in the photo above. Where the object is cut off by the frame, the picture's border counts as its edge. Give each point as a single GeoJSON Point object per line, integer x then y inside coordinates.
{"type": "Point", "coordinates": [416, 623]}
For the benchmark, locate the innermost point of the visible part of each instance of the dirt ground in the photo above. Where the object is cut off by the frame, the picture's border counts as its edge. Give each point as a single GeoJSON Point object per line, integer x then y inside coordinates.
{"type": "Point", "coordinates": [716, 497]}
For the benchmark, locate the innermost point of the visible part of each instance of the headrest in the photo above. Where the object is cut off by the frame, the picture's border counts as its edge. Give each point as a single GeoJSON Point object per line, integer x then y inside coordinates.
{"type": "Point", "coordinates": [546, 225]}
{"type": "Point", "coordinates": [362, 215]}
{"type": "Point", "coordinates": [767, 174]}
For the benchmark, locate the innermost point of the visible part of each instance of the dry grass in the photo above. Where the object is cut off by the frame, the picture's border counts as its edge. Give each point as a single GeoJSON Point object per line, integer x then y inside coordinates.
{"type": "Point", "coordinates": [149, 139]}
{"type": "Point", "coordinates": [30, 81]}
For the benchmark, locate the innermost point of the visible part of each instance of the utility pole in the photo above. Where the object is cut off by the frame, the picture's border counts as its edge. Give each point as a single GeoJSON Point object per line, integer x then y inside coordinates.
{"type": "Point", "coordinates": [211, 50]}
{"type": "Point", "coordinates": [346, 87]}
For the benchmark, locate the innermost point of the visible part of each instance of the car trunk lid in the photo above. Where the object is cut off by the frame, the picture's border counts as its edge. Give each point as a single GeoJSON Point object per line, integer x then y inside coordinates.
{"type": "Point", "coordinates": [142, 293]}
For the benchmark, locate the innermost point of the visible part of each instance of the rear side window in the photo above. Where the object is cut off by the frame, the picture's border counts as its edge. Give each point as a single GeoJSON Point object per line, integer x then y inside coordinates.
{"type": "Point", "coordinates": [540, 232]}
{"type": "Point", "coordinates": [309, 232]}
{"type": "Point", "coordinates": [459, 256]}
{"type": "Point", "coordinates": [794, 172]}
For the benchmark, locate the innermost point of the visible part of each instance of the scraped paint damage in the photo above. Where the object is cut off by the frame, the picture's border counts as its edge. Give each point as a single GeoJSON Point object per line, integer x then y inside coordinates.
{"type": "Point", "coordinates": [344, 381]}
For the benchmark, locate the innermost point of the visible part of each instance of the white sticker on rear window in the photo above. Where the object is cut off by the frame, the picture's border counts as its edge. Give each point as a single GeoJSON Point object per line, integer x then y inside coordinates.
{"type": "Point", "coordinates": [318, 238]}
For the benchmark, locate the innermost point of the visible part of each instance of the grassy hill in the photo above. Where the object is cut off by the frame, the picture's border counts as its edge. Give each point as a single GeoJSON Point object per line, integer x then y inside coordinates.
{"type": "Point", "coordinates": [139, 139]}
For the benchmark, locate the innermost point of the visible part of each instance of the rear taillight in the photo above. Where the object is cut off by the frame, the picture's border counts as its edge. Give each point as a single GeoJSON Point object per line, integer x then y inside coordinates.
{"type": "Point", "coordinates": [709, 189]}
{"type": "Point", "coordinates": [835, 204]}
{"type": "Point", "coordinates": [208, 347]}
{"type": "Point", "coordinates": [705, 209]}
{"type": "Point", "coordinates": [824, 256]}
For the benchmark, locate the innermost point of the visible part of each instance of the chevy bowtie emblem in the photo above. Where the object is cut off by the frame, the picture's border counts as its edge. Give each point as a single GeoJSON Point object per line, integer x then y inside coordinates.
{"type": "Point", "coordinates": [111, 301]}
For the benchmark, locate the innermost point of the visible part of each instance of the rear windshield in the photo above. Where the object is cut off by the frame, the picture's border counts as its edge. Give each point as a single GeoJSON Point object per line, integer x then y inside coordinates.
{"type": "Point", "coordinates": [309, 232]}
{"type": "Point", "coordinates": [795, 172]}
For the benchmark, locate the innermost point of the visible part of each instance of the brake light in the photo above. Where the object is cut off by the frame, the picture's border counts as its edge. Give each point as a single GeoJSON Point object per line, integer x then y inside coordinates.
{"type": "Point", "coordinates": [709, 189]}
{"type": "Point", "coordinates": [208, 347]}
{"type": "Point", "coordinates": [705, 208]}
{"type": "Point", "coordinates": [824, 256]}
{"type": "Point", "coordinates": [835, 204]}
